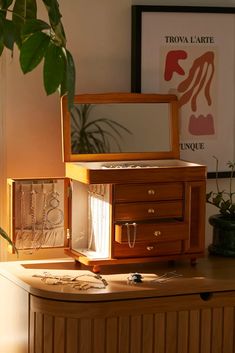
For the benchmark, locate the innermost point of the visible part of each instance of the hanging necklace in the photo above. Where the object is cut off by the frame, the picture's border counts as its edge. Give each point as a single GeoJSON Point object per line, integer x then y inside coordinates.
{"type": "Point", "coordinates": [54, 215]}
{"type": "Point", "coordinates": [44, 205]}
{"type": "Point", "coordinates": [131, 243]}
{"type": "Point", "coordinates": [19, 238]}
{"type": "Point", "coordinates": [33, 209]}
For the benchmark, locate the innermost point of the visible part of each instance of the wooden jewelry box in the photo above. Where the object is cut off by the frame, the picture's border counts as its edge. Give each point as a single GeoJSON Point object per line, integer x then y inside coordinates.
{"type": "Point", "coordinates": [132, 198]}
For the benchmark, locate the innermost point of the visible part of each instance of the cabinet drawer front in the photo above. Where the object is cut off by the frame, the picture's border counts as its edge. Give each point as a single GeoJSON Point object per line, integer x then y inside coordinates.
{"type": "Point", "coordinates": [148, 210]}
{"type": "Point", "coordinates": [147, 249]}
{"type": "Point", "coordinates": [153, 232]}
{"type": "Point", "coordinates": [148, 192]}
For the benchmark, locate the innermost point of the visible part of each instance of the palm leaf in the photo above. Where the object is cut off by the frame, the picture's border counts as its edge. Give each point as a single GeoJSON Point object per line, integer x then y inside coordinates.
{"type": "Point", "coordinates": [74, 115]}
{"type": "Point", "coordinates": [80, 114]}
{"type": "Point", "coordinates": [6, 237]}
{"type": "Point", "coordinates": [111, 124]}
{"type": "Point", "coordinates": [102, 135]}
{"type": "Point", "coordinates": [97, 145]}
{"type": "Point", "coordinates": [118, 125]}
{"type": "Point", "coordinates": [114, 138]}
{"type": "Point", "coordinates": [86, 145]}
{"type": "Point", "coordinates": [90, 136]}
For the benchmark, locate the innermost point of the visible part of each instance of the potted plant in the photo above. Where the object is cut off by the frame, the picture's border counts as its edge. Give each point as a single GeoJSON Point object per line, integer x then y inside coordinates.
{"type": "Point", "coordinates": [39, 41]}
{"type": "Point", "coordinates": [223, 224]}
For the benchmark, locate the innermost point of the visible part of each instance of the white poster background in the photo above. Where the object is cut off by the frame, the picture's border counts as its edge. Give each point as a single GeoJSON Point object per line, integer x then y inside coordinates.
{"type": "Point", "coordinates": [194, 33]}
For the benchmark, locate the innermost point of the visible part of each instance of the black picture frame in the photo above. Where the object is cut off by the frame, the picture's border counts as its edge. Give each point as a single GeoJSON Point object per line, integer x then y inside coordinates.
{"type": "Point", "coordinates": [138, 11]}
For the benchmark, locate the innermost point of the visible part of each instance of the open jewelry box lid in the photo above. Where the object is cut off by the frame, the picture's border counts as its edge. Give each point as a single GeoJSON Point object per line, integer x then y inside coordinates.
{"type": "Point", "coordinates": [120, 127]}
{"type": "Point", "coordinates": [124, 137]}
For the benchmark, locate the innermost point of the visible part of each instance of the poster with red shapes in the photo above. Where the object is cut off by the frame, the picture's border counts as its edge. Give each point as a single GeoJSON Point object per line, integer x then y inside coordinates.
{"type": "Point", "coordinates": [191, 73]}
{"type": "Point", "coordinates": [191, 53]}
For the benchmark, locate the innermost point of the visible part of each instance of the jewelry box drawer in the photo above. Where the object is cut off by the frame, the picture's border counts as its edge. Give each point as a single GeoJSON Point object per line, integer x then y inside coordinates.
{"type": "Point", "coordinates": [148, 192]}
{"type": "Point", "coordinates": [131, 233]}
{"type": "Point", "coordinates": [146, 249]}
{"type": "Point", "coordinates": [148, 210]}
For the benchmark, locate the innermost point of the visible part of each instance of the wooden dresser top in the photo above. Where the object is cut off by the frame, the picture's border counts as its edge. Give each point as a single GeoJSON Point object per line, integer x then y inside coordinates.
{"type": "Point", "coordinates": [211, 274]}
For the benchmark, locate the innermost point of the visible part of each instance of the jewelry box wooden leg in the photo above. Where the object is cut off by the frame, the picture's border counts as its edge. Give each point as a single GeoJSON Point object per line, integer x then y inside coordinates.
{"type": "Point", "coordinates": [96, 269]}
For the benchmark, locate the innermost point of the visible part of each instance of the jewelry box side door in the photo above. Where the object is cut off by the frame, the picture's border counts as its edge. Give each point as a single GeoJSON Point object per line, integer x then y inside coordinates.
{"type": "Point", "coordinates": [39, 213]}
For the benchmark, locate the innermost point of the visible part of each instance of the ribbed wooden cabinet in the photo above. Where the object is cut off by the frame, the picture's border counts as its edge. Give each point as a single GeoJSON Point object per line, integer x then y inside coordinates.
{"type": "Point", "coordinates": [192, 313]}
{"type": "Point", "coordinates": [175, 324]}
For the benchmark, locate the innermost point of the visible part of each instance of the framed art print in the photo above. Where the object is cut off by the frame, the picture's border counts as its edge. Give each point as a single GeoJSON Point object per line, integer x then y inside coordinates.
{"type": "Point", "coordinates": [190, 51]}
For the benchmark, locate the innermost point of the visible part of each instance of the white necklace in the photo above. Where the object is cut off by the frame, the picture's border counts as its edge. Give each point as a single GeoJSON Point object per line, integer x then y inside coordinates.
{"type": "Point", "coordinates": [33, 209]}
{"type": "Point", "coordinates": [74, 281]}
{"type": "Point", "coordinates": [44, 206]}
{"type": "Point", "coordinates": [20, 234]}
{"type": "Point", "coordinates": [22, 209]}
{"type": "Point", "coordinates": [54, 215]}
{"type": "Point", "coordinates": [131, 243]}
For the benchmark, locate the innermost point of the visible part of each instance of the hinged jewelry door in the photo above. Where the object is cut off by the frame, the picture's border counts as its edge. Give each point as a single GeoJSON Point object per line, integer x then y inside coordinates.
{"type": "Point", "coordinates": [39, 213]}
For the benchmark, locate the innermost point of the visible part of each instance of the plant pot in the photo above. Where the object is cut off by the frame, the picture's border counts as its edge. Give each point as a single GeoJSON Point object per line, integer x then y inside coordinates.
{"type": "Point", "coordinates": [223, 236]}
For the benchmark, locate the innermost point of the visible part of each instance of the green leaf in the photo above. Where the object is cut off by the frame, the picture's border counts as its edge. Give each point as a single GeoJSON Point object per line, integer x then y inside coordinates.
{"type": "Point", "coordinates": [4, 4]}
{"type": "Point", "coordinates": [59, 34]}
{"type": "Point", "coordinates": [6, 237]}
{"type": "Point", "coordinates": [54, 68]}
{"type": "Point", "coordinates": [34, 25]}
{"type": "Point", "coordinates": [24, 9]}
{"type": "Point", "coordinates": [225, 205]}
{"type": "Point", "coordinates": [231, 164]}
{"type": "Point", "coordinates": [55, 21]}
{"type": "Point", "coordinates": [3, 14]}
{"type": "Point", "coordinates": [1, 46]}
{"type": "Point", "coordinates": [33, 50]}
{"type": "Point", "coordinates": [1, 36]}
{"type": "Point", "coordinates": [53, 11]}
{"type": "Point", "coordinates": [70, 79]}
{"type": "Point", "coordinates": [1, 27]}
{"type": "Point", "coordinates": [217, 199]}
{"type": "Point", "coordinates": [9, 34]}
{"type": "Point", "coordinates": [208, 195]}
{"type": "Point", "coordinates": [232, 209]}
{"type": "Point", "coordinates": [63, 85]}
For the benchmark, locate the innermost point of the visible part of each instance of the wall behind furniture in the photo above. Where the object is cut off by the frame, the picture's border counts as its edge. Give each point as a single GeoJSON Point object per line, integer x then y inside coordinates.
{"type": "Point", "coordinates": [99, 37]}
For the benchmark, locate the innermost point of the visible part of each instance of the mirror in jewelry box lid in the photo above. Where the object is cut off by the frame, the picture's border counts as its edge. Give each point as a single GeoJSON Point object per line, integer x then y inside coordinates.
{"type": "Point", "coordinates": [38, 213]}
{"type": "Point", "coordinates": [120, 126]}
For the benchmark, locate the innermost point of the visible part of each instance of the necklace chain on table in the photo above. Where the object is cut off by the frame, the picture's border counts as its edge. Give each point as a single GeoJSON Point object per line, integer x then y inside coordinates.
{"type": "Point", "coordinates": [74, 281]}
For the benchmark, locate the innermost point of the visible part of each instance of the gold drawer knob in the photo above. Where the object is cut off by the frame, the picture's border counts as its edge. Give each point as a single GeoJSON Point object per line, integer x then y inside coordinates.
{"type": "Point", "coordinates": [151, 192]}
{"type": "Point", "coordinates": [157, 233]}
{"type": "Point", "coordinates": [149, 248]}
{"type": "Point", "coordinates": [151, 210]}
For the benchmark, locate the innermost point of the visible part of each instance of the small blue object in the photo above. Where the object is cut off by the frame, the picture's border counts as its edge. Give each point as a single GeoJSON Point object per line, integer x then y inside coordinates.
{"type": "Point", "coordinates": [135, 278]}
